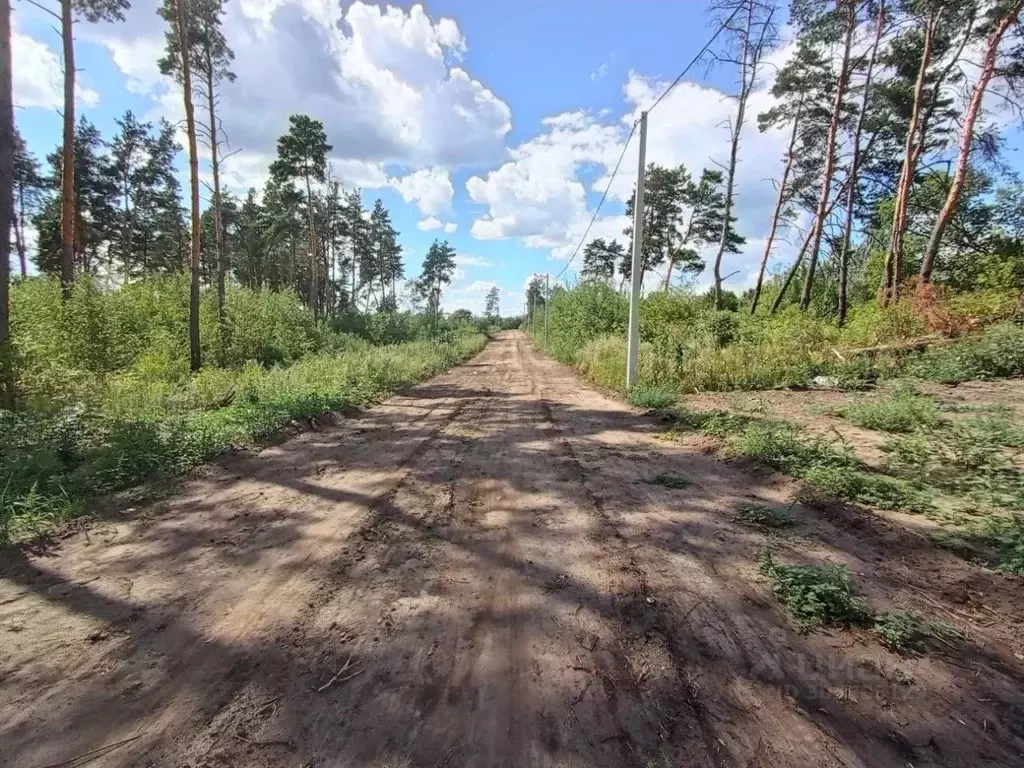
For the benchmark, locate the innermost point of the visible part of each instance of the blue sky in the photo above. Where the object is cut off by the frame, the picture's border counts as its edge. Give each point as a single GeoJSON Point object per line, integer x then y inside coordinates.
{"type": "Point", "coordinates": [492, 125]}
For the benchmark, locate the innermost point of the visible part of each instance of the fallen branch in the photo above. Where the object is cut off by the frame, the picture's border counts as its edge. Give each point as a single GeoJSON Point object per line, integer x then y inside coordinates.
{"type": "Point", "coordinates": [919, 343]}
{"type": "Point", "coordinates": [338, 676]}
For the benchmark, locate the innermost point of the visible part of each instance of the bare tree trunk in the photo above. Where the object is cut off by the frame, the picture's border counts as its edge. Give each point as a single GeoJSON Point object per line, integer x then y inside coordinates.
{"type": "Point", "coordinates": [19, 232]}
{"type": "Point", "coordinates": [352, 288]}
{"type": "Point", "coordinates": [854, 172]}
{"type": "Point", "coordinates": [195, 351]}
{"type": "Point", "coordinates": [313, 292]}
{"type": "Point", "coordinates": [67, 175]}
{"type": "Point", "coordinates": [126, 231]}
{"type": "Point", "coordinates": [891, 274]}
{"type": "Point", "coordinates": [793, 270]}
{"type": "Point", "coordinates": [218, 223]}
{"type": "Point", "coordinates": [988, 70]}
{"type": "Point", "coordinates": [7, 149]}
{"type": "Point", "coordinates": [780, 201]}
{"type": "Point", "coordinates": [830, 153]}
{"type": "Point", "coordinates": [749, 59]}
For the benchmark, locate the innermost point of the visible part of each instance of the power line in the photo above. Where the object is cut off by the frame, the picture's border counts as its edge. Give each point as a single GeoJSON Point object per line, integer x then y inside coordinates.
{"type": "Point", "coordinates": [603, 197]}
{"type": "Point", "coordinates": [695, 59]}
{"type": "Point", "coordinates": [673, 84]}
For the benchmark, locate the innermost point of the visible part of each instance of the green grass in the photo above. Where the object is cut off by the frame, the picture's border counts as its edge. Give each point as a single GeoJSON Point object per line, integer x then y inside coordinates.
{"type": "Point", "coordinates": [815, 596]}
{"type": "Point", "coordinates": [997, 351]}
{"type": "Point", "coordinates": [908, 630]}
{"type": "Point", "coordinates": [785, 447]}
{"type": "Point", "coordinates": [675, 482]}
{"type": "Point", "coordinates": [765, 517]}
{"type": "Point", "coordinates": [653, 398]}
{"type": "Point", "coordinates": [56, 461]}
{"type": "Point", "coordinates": [903, 411]}
{"type": "Point", "coordinates": [868, 488]}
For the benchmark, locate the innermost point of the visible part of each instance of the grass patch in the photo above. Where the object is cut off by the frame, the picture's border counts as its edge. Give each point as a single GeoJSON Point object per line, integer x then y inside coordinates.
{"type": "Point", "coordinates": [55, 462]}
{"type": "Point", "coordinates": [765, 517]}
{"type": "Point", "coordinates": [961, 460]}
{"type": "Point", "coordinates": [784, 447]}
{"type": "Point", "coordinates": [652, 398]}
{"type": "Point", "coordinates": [997, 351]}
{"type": "Point", "coordinates": [675, 482]}
{"type": "Point", "coordinates": [815, 596]}
{"type": "Point", "coordinates": [866, 488]}
{"type": "Point", "coordinates": [908, 630]}
{"type": "Point", "coordinates": [903, 411]}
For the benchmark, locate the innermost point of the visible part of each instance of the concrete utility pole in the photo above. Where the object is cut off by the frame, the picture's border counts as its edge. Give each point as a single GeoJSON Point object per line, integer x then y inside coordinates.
{"type": "Point", "coordinates": [533, 312]}
{"type": "Point", "coordinates": [547, 298]}
{"type": "Point", "coordinates": [636, 272]}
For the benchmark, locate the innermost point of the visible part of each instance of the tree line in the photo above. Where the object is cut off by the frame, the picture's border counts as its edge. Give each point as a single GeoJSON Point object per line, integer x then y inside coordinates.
{"type": "Point", "coordinates": [889, 177]}
{"type": "Point", "coordinates": [113, 207]}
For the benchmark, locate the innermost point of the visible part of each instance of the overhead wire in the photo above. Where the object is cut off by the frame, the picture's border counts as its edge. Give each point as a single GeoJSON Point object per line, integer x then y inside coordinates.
{"type": "Point", "coordinates": [673, 84]}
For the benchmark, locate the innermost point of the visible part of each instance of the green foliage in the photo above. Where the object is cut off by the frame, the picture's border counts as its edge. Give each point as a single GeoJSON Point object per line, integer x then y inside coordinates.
{"type": "Point", "coordinates": [960, 459]}
{"type": "Point", "coordinates": [765, 517]}
{"type": "Point", "coordinates": [814, 595]}
{"type": "Point", "coordinates": [784, 447]}
{"type": "Point", "coordinates": [903, 411]}
{"type": "Point", "coordinates": [906, 630]}
{"type": "Point", "coordinates": [865, 488]}
{"type": "Point", "coordinates": [675, 482]}
{"type": "Point", "coordinates": [107, 401]}
{"type": "Point", "coordinates": [997, 351]}
{"type": "Point", "coordinates": [653, 398]}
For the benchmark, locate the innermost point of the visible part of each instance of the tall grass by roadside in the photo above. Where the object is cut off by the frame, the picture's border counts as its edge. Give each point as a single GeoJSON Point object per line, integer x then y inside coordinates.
{"type": "Point", "coordinates": [687, 346]}
{"type": "Point", "coordinates": [106, 399]}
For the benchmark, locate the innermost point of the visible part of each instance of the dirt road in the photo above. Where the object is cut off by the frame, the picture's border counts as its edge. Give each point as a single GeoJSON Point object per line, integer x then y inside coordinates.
{"type": "Point", "coordinates": [478, 573]}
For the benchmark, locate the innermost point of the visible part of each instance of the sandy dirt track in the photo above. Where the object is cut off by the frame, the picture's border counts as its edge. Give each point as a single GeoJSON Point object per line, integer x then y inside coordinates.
{"type": "Point", "coordinates": [478, 573]}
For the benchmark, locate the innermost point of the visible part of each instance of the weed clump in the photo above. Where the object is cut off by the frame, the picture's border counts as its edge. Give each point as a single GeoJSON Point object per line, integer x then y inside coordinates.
{"type": "Point", "coordinates": [652, 398]}
{"type": "Point", "coordinates": [903, 411]}
{"type": "Point", "coordinates": [675, 482]}
{"type": "Point", "coordinates": [765, 517]}
{"type": "Point", "coordinates": [814, 595]}
{"type": "Point", "coordinates": [866, 488]}
{"type": "Point", "coordinates": [907, 630]}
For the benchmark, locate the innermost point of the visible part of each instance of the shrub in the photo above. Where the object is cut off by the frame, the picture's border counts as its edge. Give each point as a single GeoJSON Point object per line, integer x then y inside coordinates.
{"type": "Point", "coordinates": [56, 460]}
{"type": "Point", "coordinates": [997, 351]}
{"type": "Point", "coordinates": [814, 595]}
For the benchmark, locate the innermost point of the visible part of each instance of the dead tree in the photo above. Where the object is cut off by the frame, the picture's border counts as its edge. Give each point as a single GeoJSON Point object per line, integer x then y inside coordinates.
{"type": "Point", "coordinates": [753, 31]}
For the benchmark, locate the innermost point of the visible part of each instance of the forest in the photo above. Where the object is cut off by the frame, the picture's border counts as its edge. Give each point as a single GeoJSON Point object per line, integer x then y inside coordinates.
{"type": "Point", "coordinates": [142, 333]}
{"type": "Point", "coordinates": [897, 193]}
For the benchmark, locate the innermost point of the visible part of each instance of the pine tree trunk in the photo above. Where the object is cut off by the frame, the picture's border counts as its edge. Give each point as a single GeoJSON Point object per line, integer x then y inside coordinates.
{"type": "Point", "coordinates": [67, 175]}
{"type": "Point", "coordinates": [313, 288]}
{"type": "Point", "coordinates": [780, 201]}
{"type": "Point", "coordinates": [988, 69]}
{"type": "Point", "coordinates": [195, 351]}
{"type": "Point", "coordinates": [830, 154]}
{"type": "Point", "coordinates": [792, 271]}
{"type": "Point", "coordinates": [126, 232]}
{"type": "Point", "coordinates": [7, 149]}
{"type": "Point", "coordinates": [891, 274]}
{"type": "Point", "coordinates": [220, 254]}
{"type": "Point", "coordinates": [854, 171]}
{"type": "Point", "coordinates": [19, 231]}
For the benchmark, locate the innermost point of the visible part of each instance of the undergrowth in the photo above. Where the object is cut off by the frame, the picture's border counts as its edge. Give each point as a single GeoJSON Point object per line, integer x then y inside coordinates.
{"type": "Point", "coordinates": [907, 630]}
{"type": "Point", "coordinates": [54, 461]}
{"type": "Point", "coordinates": [815, 596]}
